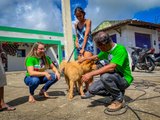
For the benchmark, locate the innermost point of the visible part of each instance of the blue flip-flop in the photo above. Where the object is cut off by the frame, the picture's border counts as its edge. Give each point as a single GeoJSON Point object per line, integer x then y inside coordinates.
{"type": "Point", "coordinates": [87, 95]}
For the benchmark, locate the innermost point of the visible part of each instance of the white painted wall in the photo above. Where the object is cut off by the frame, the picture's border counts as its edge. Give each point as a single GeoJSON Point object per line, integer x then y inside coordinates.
{"type": "Point", "coordinates": [153, 34]}
{"type": "Point", "coordinates": [17, 63]}
{"type": "Point", "coordinates": [127, 37]}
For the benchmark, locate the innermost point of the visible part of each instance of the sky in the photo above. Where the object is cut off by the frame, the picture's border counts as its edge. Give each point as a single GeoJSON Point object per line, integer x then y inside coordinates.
{"type": "Point", "coordinates": [46, 15]}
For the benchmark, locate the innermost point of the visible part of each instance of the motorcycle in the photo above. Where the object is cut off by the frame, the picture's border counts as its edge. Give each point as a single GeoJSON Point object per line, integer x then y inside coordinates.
{"type": "Point", "coordinates": [156, 58]}
{"type": "Point", "coordinates": [142, 59]}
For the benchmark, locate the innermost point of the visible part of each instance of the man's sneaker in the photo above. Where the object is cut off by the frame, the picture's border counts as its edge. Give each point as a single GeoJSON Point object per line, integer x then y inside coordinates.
{"type": "Point", "coordinates": [108, 100]}
{"type": "Point", "coordinates": [115, 106]}
{"type": "Point", "coordinates": [87, 95]}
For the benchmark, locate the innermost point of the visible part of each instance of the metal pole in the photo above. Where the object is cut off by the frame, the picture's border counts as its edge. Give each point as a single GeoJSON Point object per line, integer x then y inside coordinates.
{"type": "Point", "coordinates": [67, 28]}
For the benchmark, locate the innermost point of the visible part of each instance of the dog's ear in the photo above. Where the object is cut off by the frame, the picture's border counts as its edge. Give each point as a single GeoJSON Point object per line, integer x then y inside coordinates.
{"type": "Point", "coordinates": [88, 63]}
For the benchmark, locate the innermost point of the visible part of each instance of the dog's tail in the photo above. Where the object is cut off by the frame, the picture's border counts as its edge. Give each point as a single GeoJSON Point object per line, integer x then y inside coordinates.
{"type": "Point", "coordinates": [62, 66]}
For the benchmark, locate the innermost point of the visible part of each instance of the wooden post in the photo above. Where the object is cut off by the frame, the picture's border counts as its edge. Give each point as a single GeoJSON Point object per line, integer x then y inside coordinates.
{"type": "Point", "coordinates": [67, 28]}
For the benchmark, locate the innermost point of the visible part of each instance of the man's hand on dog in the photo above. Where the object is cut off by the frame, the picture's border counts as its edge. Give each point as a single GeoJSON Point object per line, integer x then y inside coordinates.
{"type": "Point", "coordinates": [86, 77]}
{"type": "Point", "coordinates": [82, 59]}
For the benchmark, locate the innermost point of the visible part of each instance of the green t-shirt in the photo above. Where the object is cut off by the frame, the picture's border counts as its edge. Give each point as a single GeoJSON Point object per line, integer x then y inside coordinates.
{"type": "Point", "coordinates": [119, 56]}
{"type": "Point", "coordinates": [37, 63]}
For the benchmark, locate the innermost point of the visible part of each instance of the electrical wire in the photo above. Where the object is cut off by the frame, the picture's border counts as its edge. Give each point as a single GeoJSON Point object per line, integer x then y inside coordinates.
{"type": "Point", "coordinates": [138, 86]}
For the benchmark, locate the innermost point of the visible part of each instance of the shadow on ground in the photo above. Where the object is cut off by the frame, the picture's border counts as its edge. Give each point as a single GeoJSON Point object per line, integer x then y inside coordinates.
{"type": "Point", "coordinates": [24, 99]}
{"type": "Point", "coordinates": [105, 101]}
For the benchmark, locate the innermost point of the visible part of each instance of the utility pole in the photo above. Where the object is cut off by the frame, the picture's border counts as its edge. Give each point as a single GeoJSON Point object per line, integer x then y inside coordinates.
{"type": "Point", "coordinates": [67, 28]}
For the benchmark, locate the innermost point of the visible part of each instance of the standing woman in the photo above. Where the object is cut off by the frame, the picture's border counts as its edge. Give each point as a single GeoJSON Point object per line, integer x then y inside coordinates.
{"type": "Point", "coordinates": [3, 59]}
{"type": "Point", "coordinates": [84, 42]}
{"type": "Point", "coordinates": [36, 63]}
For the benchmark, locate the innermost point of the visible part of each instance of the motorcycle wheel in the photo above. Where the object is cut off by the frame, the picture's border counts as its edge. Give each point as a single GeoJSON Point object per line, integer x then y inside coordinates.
{"type": "Point", "coordinates": [134, 60]}
{"type": "Point", "coordinates": [157, 61]}
{"type": "Point", "coordinates": [133, 67]}
{"type": "Point", "coordinates": [150, 65]}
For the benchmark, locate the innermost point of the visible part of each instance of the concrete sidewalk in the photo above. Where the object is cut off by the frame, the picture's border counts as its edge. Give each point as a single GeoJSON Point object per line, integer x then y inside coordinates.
{"type": "Point", "coordinates": [145, 89]}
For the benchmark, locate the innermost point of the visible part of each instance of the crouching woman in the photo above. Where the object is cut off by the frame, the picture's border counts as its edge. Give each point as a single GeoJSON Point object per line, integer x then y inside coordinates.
{"type": "Point", "coordinates": [36, 63]}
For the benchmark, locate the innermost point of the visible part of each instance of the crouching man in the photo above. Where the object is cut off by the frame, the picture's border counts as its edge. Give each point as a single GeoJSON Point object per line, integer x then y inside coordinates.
{"type": "Point", "coordinates": [115, 76]}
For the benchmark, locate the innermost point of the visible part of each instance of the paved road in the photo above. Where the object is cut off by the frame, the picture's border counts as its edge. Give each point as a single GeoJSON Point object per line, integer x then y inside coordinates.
{"type": "Point", "coordinates": [143, 95]}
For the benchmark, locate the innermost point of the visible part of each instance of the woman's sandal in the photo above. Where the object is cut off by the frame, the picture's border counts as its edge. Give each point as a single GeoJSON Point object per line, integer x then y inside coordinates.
{"type": "Point", "coordinates": [7, 108]}
{"type": "Point", "coordinates": [45, 94]}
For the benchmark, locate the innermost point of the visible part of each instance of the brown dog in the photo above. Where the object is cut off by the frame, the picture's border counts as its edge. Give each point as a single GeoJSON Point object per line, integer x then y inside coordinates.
{"type": "Point", "coordinates": [73, 72]}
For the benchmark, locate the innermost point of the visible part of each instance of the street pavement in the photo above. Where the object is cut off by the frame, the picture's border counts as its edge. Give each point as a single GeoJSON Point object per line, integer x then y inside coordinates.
{"type": "Point", "coordinates": [142, 101]}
